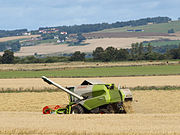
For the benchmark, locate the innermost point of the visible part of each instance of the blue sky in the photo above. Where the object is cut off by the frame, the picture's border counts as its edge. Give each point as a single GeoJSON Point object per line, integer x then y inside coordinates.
{"type": "Point", "coordinates": [32, 14]}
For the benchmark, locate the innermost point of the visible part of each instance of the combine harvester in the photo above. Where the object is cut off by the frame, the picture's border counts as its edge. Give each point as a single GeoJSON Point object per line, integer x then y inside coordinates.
{"type": "Point", "coordinates": [92, 96]}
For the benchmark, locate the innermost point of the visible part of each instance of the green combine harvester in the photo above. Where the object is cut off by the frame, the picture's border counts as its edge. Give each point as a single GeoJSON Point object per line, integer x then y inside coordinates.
{"type": "Point", "coordinates": [92, 96]}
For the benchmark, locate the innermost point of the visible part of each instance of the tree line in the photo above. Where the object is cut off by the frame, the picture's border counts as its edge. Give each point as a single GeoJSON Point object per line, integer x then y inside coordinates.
{"type": "Point", "coordinates": [135, 53]}
{"type": "Point", "coordinates": [13, 45]}
{"type": "Point", "coordinates": [85, 28]}
{"type": "Point", "coordinates": [9, 33]}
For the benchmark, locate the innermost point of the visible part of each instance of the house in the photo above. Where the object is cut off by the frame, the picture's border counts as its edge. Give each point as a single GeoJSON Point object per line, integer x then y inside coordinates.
{"type": "Point", "coordinates": [63, 33]}
{"type": "Point", "coordinates": [27, 34]}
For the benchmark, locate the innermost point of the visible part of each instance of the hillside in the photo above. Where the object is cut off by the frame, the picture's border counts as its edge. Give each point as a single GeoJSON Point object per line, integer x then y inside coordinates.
{"type": "Point", "coordinates": [53, 42]}
{"type": "Point", "coordinates": [4, 39]}
{"type": "Point", "coordinates": [161, 28]}
{"type": "Point", "coordinates": [52, 48]}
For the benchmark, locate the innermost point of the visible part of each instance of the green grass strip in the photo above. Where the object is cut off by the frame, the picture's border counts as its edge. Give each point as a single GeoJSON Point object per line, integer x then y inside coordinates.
{"type": "Point", "coordinates": [10, 90]}
{"type": "Point", "coordinates": [97, 72]}
{"type": "Point", "coordinates": [156, 88]}
{"type": "Point", "coordinates": [163, 43]}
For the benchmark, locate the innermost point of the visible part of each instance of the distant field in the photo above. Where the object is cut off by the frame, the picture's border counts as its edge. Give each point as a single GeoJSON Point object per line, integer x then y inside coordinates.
{"type": "Point", "coordinates": [162, 27]}
{"type": "Point", "coordinates": [4, 39]}
{"type": "Point", "coordinates": [50, 48]}
{"type": "Point", "coordinates": [98, 35]}
{"type": "Point", "coordinates": [68, 65]}
{"type": "Point", "coordinates": [162, 43]}
{"type": "Point", "coordinates": [97, 72]}
{"type": "Point", "coordinates": [37, 84]}
{"type": "Point", "coordinates": [36, 42]}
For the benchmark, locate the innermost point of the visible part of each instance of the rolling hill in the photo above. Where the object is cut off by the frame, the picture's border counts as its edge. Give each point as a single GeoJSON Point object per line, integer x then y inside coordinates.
{"type": "Point", "coordinates": [159, 28]}
{"type": "Point", "coordinates": [116, 37]}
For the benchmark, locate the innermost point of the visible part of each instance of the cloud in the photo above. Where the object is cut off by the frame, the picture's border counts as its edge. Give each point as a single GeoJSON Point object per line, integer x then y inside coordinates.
{"type": "Point", "coordinates": [36, 13]}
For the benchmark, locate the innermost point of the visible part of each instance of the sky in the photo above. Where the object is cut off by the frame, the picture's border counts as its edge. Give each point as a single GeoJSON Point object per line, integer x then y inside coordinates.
{"type": "Point", "coordinates": [32, 14]}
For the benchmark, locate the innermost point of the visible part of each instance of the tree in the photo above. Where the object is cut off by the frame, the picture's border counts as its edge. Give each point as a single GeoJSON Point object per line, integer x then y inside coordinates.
{"type": "Point", "coordinates": [175, 53]}
{"type": "Point", "coordinates": [122, 54]}
{"type": "Point", "coordinates": [153, 56]}
{"type": "Point", "coordinates": [98, 54]}
{"type": "Point", "coordinates": [78, 56]}
{"type": "Point", "coordinates": [141, 49]}
{"type": "Point", "coordinates": [134, 51]}
{"type": "Point", "coordinates": [80, 37]}
{"type": "Point", "coordinates": [149, 48]}
{"type": "Point", "coordinates": [110, 54]}
{"type": "Point", "coordinates": [12, 45]}
{"type": "Point", "coordinates": [0, 59]}
{"type": "Point", "coordinates": [8, 57]}
{"type": "Point", "coordinates": [171, 31]}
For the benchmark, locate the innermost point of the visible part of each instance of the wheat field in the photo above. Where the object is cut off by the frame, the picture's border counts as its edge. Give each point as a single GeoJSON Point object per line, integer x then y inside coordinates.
{"type": "Point", "coordinates": [4, 39]}
{"type": "Point", "coordinates": [39, 84]}
{"type": "Point", "coordinates": [149, 101]}
{"type": "Point", "coordinates": [92, 44]}
{"type": "Point", "coordinates": [89, 124]}
{"type": "Point", "coordinates": [155, 113]}
{"type": "Point", "coordinates": [50, 48]}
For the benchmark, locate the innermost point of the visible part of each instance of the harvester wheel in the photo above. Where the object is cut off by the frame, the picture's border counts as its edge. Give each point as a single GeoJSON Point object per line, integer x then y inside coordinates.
{"type": "Point", "coordinates": [77, 109]}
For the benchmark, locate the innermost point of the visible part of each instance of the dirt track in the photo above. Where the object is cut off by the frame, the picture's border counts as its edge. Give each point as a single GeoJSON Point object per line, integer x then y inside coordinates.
{"type": "Point", "coordinates": [90, 124]}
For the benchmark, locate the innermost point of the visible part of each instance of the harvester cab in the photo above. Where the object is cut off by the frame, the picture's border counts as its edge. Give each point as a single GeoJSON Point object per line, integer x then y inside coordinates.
{"type": "Point", "coordinates": [93, 96]}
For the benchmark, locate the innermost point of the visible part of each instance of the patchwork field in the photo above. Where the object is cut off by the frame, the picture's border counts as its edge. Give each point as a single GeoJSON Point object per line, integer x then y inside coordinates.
{"type": "Point", "coordinates": [115, 38]}
{"type": "Point", "coordinates": [156, 28]}
{"type": "Point", "coordinates": [156, 112]}
{"type": "Point", "coordinates": [92, 44]}
{"type": "Point", "coordinates": [4, 39]}
{"type": "Point", "coordinates": [49, 48]}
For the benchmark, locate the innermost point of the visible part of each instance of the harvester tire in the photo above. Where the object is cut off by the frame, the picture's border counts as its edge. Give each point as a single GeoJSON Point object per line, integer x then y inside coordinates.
{"type": "Point", "coordinates": [77, 109]}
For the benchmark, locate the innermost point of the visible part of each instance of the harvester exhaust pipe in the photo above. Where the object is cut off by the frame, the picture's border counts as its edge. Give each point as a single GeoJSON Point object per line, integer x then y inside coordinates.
{"type": "Point", "coordinates": [62, 88]}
